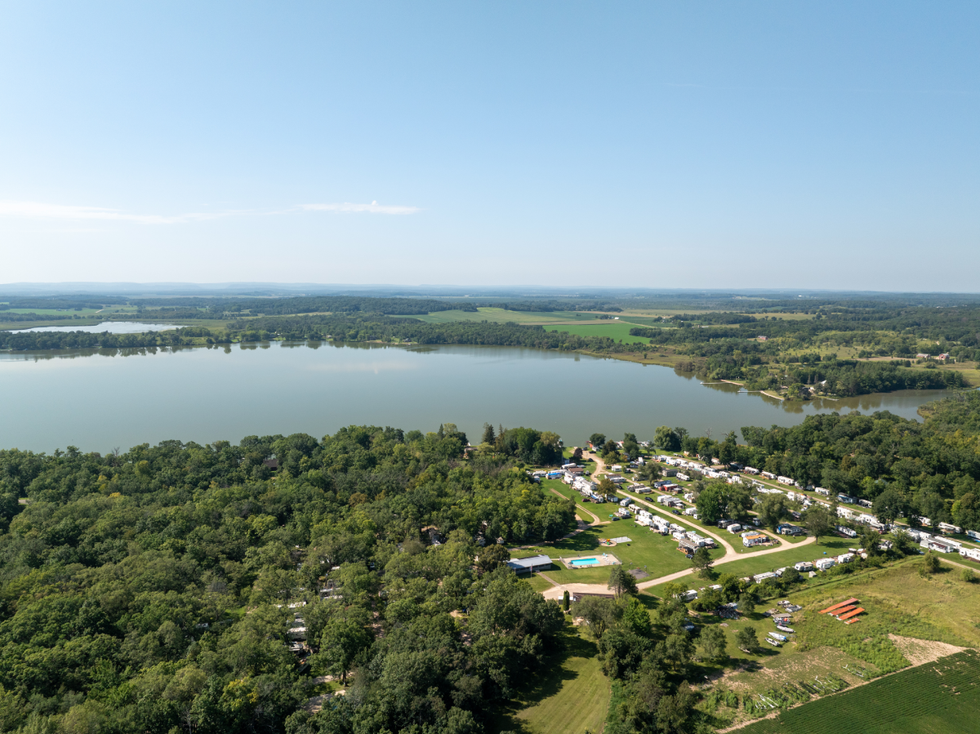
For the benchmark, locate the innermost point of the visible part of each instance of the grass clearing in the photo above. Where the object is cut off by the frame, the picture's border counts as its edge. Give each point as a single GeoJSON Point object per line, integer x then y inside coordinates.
{"type": "Point", "coordinates": [570, 697]}
{"type": "Point", "coordinates": [943, 696]}
{"type": "Point", "coordinates": [501, 316]}
{"type": "Point", "coordinates": [751, 566]}
{"type": "Point", "coordinates": [650, 552]}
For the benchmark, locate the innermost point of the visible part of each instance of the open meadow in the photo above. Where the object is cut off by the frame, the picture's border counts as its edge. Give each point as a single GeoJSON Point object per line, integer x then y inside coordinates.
{"type": "Point", "coordinates": [651, 553]}
{"type": "Point", "coordinates": [571, 696]}
{"type": "Point", "coordinates": [502, 316]}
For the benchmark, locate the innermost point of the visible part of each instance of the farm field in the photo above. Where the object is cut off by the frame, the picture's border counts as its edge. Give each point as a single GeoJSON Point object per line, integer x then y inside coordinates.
{"type": "Point", "coordinates": [571, 697]}
{"type": "Point", "coordinates": [943, 696]}
{"type": "Point", "coordinates": [616, 330]}
{"type": "Point", "coordinates": [52, 311]}
{"type": "Point", "coordinates": [910, 619]}
{"type": "Point", "coordinates": [502, 316]}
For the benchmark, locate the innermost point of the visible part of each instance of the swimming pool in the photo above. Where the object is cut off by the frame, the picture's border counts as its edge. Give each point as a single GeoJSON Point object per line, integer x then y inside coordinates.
{"type": "Point", "coordinates": [583, 562]}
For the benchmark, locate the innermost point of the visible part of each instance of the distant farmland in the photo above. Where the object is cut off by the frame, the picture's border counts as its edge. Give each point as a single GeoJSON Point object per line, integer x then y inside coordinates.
{"type": "Point", "coordinates": [502, 316]}
{"type": "Point", "coordinates": [942, 696]}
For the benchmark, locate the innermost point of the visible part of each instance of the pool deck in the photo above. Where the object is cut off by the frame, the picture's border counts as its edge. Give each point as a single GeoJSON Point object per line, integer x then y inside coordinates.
{"type": "Point", "coordinates": [602, 559]}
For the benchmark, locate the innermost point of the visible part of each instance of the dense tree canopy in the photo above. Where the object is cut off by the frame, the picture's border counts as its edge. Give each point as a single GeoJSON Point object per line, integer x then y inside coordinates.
{"type": "Point", "coordinates": [156, 590]}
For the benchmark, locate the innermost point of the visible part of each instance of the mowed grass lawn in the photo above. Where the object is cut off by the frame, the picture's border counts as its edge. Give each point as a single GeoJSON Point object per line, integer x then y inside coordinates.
{"type": "Point", "coordinates": [615, 330]}
{"type": "Point", "coordinates": [751, 566]}
{"type": "Point", "coordinates": [570, 697]}
{"type": "Point", "coordinates": [733, 538]}
{"type": "Point", "coordinates": [648, 551]}
{"type": "Point", "coordinates": [564, 490]}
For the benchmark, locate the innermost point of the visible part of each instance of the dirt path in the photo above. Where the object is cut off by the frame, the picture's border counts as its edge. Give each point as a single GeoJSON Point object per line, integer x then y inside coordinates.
{"type": "Point", "coordinates": [600, 465]}
{"type": "Point", "coordinates": [958, 565]}
{"type": "Point", "coordinates": [595, 517]}
{"type": "Point", "coordinates": [550, 580]}
{"type": "Point", "coordinates": [729, 550]}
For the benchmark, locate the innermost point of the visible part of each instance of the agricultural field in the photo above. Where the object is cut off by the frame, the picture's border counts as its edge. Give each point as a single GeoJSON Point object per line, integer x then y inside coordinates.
{"type": "Point", "coordinates": [943, 696]}
{"type": "Point", "coordinates": [616, 330]}
{"type": "Point", "coordinates": [570, 697]}
{"type": "Point", "coordinates": [909, 620]}
{"type": "Point", "coordinates": [503, 316]}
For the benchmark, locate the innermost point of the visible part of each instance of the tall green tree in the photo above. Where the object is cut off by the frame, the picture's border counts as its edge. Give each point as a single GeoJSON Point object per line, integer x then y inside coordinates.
{"type": "Point", "coordinates": [712, 644]}
{"type": "Point", "coordinates": [341, 642]}
{"type": "Point", "coordinates": [818, 521]}
{"type": "Point", "coordinates": [746, 639]}
{"type": "Point", "coordinates": [701, 561]}
{"type": "Point", "coordinates": [666, 439]}
{"type": "Point", "coordinates": [621, 581]}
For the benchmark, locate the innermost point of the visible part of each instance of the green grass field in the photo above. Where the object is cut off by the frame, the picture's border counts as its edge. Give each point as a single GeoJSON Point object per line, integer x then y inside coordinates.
{"type": "Point", "coordinates": [502, 316]}
{"type": "Point", "coordinates": [51, 311]}
{"type": "Point", "coordinates": [761, 564]}
{"type": "Point", "coordinates": [616, 330]}
{"type": "Point", "coordinates": [649, 551]}
{"type": "Point", "coordinates": [937, 698]}
{"type": "Point", "coordinates": [734, 539]}
{"type": "Point", "coordinates": [564, 490]}
{"type": "Point", "coordinates": [570, 697]}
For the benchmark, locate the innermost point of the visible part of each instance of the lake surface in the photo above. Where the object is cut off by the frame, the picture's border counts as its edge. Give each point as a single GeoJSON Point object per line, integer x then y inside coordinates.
{"type": "Point", "coordinates": [113, 327]}
{"type": "Point", "coordinates": [100, 400]}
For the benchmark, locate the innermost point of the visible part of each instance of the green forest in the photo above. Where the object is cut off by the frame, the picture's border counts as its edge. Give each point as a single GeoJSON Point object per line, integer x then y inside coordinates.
{"type": "Point", "coordinates": [155, 590]}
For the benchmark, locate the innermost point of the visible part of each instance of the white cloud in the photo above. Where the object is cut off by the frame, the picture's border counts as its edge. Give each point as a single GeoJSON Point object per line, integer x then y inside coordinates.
{"type": "Point", "coordinates": [38, 210]}
{"type": "Point", "coordinates": [372, 208]}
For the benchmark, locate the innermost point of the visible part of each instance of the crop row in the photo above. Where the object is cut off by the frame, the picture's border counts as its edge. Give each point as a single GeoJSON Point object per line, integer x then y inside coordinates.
{"type": "Point", "coordinates": [947, 689]}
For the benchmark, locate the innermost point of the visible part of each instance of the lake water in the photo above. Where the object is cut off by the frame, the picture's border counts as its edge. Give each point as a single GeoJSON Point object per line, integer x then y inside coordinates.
{"type": "Point", "coordinates": [113, 327]}
{"type": "Point", "coordinates": [101, 400]}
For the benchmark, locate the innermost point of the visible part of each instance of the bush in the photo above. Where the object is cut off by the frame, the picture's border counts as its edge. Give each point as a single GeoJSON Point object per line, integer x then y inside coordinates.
{"type": "Point", "coordinates": [930, 563]}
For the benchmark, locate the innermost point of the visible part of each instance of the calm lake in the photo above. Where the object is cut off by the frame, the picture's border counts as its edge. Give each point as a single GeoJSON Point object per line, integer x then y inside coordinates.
{"type": "Point", "coordinates": [98, 401]}
{"type": "Point", "coordinates": [113, 327]}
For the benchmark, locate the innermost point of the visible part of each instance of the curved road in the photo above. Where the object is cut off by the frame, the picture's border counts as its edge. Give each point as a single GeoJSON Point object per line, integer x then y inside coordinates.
{"type": "Point", "coordinates": [730, 556]}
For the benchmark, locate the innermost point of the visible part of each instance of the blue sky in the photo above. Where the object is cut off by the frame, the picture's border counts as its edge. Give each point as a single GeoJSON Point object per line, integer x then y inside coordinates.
{"type": "Point", "coordinates": [701, 145]}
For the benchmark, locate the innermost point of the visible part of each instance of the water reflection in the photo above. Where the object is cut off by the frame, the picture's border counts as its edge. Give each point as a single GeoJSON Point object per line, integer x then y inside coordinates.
{"type": "Point", "coordinates": [113, 327]}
